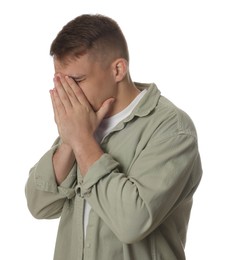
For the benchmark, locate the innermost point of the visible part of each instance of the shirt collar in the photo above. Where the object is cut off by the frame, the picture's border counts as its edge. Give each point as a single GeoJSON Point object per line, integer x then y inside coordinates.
{"type": "Point", "coordinates": [146, 105]}
{"type": "Point", "coordinates": [148, 102]}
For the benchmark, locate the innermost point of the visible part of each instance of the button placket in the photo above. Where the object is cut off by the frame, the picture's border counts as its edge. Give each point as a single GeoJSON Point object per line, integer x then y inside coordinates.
{"type": "Point", "coordinates": [89, 234]}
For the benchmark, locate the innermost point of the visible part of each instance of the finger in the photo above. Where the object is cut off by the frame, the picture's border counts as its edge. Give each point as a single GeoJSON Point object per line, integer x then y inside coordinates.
{"type": "Point", "coordinates": [61, 93]}
{"type": "Point", "coordinates": [68, 90]}
{"type": "Point", "coordinates": [58, 104]}
{"type": "Point", "coordinates": [79, 94]}
{"type": "Point", "coordinates": [54, 106]}
{"type": "Point", "coordinates": [104, 109]}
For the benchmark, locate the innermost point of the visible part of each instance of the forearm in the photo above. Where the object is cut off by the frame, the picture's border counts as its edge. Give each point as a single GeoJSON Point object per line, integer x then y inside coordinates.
{"type": "Point", "coordinates": [87, 151]}
{"type": "Point", "coordinates": [63, 160]}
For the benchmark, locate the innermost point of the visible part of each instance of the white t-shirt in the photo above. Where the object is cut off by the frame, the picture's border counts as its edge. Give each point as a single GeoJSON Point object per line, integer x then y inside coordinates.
{"type": "Point", "coordinates": [104, 129]}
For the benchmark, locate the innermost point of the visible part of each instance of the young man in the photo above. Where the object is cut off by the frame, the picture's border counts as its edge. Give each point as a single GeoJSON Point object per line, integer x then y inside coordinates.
{"type": "Point", "coordinates": [124, 169]}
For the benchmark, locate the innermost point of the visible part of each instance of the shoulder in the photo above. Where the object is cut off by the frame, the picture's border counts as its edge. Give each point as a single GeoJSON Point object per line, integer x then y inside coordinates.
{"type": "Point", "coordinates": [161, 116]}
{"type": "Point", "coordinates": [172, 120]}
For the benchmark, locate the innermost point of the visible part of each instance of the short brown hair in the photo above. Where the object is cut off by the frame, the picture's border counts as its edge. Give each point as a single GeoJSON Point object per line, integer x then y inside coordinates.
{"type": "Point", "coordinates": [97, 33]}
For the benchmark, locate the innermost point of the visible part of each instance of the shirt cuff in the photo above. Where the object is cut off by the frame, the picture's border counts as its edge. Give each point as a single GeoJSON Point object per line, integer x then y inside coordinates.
{"type": "Point", "coordinates": [102, 167]}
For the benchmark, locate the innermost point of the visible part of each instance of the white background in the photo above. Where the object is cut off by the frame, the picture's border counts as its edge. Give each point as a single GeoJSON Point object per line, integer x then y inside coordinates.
{"type": "Point", "coordinates": [179, 45]}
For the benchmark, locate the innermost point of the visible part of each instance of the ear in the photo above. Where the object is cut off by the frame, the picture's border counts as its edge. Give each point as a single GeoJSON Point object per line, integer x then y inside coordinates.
{"type": "Point", "coordinates": [120, 69]}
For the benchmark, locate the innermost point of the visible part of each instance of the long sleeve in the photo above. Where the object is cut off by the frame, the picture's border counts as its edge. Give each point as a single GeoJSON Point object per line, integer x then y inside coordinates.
{"type": "Point", "coordinates": [140, 190]}
{"type": "Point", "coordinates": [133, 204]}
{"type": "Point", "coordinates": [45, 198]}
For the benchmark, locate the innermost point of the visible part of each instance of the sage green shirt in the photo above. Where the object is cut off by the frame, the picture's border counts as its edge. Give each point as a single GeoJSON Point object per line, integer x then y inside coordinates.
{"type": "Point", "coordinates": [140, 190]}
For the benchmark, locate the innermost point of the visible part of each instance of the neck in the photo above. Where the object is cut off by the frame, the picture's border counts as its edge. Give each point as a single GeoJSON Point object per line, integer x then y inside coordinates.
{"type": "Point", "coordinates": [126, 93]}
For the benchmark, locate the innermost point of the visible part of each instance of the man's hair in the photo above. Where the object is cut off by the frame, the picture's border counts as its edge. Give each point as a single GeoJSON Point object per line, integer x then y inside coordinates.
{"type": "Point", "coordinates": [97, 34]}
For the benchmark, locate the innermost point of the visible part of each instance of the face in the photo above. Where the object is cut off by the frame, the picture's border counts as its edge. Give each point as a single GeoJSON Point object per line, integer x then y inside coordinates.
{"type": "Point", "coordinates": [96, 81]}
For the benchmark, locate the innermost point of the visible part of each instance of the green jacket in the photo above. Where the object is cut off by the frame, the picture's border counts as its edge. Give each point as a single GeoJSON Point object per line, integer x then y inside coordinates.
{"type": "Point", "coordinates": [140, 190]}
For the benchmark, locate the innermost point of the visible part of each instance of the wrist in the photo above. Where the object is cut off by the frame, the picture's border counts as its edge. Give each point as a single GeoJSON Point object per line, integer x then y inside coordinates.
{"type": "Point", "coordinates": [87, 151]}
{"type": "Point", "coordinates": [63, 160]}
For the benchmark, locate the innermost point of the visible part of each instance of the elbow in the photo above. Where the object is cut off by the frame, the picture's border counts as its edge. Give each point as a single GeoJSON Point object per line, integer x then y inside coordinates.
{"type": "Point", "coordinates": [35, 211]}
{"type": "Point", "coordinates": [33, 205]}
{"type": "Point", "coordinates": [128, 238]}
{"type": "Point", "coordinates": [47, 212]}
{"type": "Point", "coordinates": [42, 205]}
{"type": "Point", "coordinates": [135, 230]}
{"type": "Point", "coordinates": [36, 214]}
{"type": "Point", "coordinates": [131, 236]}
{"type": "Point", "coordinates": [41, 209]}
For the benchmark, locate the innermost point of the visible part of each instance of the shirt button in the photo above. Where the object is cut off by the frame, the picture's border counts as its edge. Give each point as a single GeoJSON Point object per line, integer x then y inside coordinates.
{"type": "Point", "coordinates": [88, 245]}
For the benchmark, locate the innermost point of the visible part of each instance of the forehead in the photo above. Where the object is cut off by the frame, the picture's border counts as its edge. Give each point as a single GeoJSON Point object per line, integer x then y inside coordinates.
{"type": "Point", "coordinates": [73, 65]}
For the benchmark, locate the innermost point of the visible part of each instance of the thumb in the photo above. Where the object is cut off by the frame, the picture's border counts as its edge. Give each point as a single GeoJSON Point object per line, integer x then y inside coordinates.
{"type": "Point", "coordinates": [104, 109]}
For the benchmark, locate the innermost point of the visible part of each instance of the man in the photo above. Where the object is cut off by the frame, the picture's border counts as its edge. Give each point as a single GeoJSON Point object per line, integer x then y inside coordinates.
{"type": "Point", "coordinates": [124, 169]}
